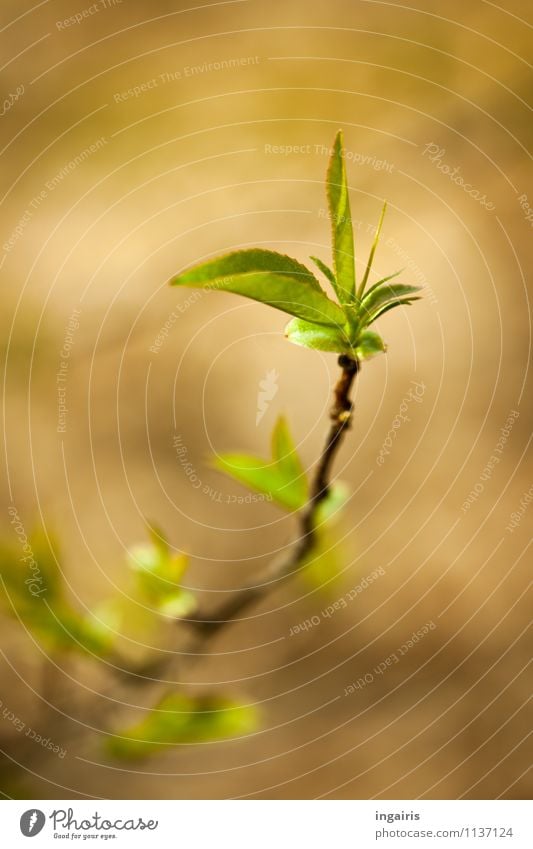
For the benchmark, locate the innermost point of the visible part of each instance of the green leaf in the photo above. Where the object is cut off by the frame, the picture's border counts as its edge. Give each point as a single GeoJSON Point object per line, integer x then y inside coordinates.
{"type": "Point", "coordinates": [369, 344]}
{"type": "Point", "coordinates": [382, 281]}
{"type": "Point", "coordinates": [179, 605]}
{"type": "Point", "coordinates": [263, 477]}
{"type": "Point", "coordinates": [318, 337]}
{"type": "Point", "coordinates": [405, 302]}
{"type": "Point", "coordinates": [326, 270]}
{"type": "Point", "coordinates": [35, 595]}
{"type": "Point", "coordinates": [247, 262]}
{"type": "Point", "coordinates": [179, 719]}
{"type": "Point", "coordinates": [383, 295]}
{"type": "Point", "coordinates": [341, 222]}
{"type": "Point", "coordinates": [282, 478]}
{"type": "Point", "coordinates": [322, 566]}
{"type": "Point", "coordinates": [268, 277]}
{"type": "Point", "coordinates": [328, 273]}
{"type": "Point", "coordinates": [158, 538]}
{"type": "Point", "coordinates": [329, 509]}
{"type": "Point", "coordinates": [283, 448]}
{"type": "Point", "coordinates": [59, 626]}
{"type": "Point", "coordinates": [70, 630]}
{"type": "Point", "coordinates": [94, 636]}
{"type": "Point", "coordinates": [157, 570]}
{"type": "Point", "coordinates": [131, 627]}
{"type": "Point", "coordinates": [372, 252]}
{"type": "Point", "coordinates": [31, 571]}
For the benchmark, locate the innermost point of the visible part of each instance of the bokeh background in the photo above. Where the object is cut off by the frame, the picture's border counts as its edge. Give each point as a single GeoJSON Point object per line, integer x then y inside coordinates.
{"type": "Point", "coordinates": [147, 136]}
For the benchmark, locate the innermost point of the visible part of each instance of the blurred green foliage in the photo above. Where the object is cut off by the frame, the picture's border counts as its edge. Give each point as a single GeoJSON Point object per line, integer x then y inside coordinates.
{"type": "Point", "coordinates": [180, 718]}
{"type": "Point", "coordinates": [282, 477]}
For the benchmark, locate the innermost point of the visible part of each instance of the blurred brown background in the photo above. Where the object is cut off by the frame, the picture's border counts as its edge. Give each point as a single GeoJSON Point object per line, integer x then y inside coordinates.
{"type": "Point", "coordinates": [193, 114]}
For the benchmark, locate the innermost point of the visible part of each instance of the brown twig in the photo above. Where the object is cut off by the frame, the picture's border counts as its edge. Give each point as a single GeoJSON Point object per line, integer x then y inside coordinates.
{"type": "Point", "coordinates": [207, 625]}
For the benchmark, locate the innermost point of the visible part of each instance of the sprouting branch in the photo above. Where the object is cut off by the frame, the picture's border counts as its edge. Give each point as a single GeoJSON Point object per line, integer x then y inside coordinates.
{"type": "Point", "coordinates": [336, 326]}
{"type": "Point", "coordinates": [207, 625]}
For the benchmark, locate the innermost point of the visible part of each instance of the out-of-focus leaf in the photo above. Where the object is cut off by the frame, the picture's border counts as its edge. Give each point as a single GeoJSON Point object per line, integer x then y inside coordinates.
{"type": "Point", "coordinates": [158, 538]}
{"type": "Point", "coordinates": [285, 455]}
{"type": "Point", "coordinates": [318, 337]}
{"type": "Point", "coordinates": [35, 596]}
{"type": "Point", "coordinates": [329, 509]}
{"type": "Point", "coordinates": [323, 565]}
{"type": "Point", "coordinates": [179, 718]}
{"type": "Point", "coordinates": [369, 344]}
{"type": "Point", "coordinates": [31, 571]}
{"type": "Point", "coordinates": [157, 570]}
{"type": "Point", "coordinates": [132, 628]}
{"type": "Point", "coordinates": [341, 222]}
{"type": "Point", "coordinates": [70, 630]}
{"type": "Point", "coordinates": [283, 477]}
{"type": "Point", "coordinates": [179, 605]}
{"type": "Point", "coordinates": [269, 277]}
{"type": "Point", "coordinates": [403, 302]}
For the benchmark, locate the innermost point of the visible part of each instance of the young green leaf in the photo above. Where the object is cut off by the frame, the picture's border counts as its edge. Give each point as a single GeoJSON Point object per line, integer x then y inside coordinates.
{"type": "Point", "coordinates": [181, 719]}
{"type": "Point", "coordinates": [158, 539]}
{"type": "Point", "coordinates": [178, 605]}
{"type": "Point", "coordinates": [382, 281]}
{"type": "Point", "coordinates": [329, 275]}
{"type": "Point", "coordinates": [81, 633]}
{"type": "Point", "coordinates": [322, 565]}
{"type": "Point", "coordinates": [402, 303]}
{"type": "Point", "coordinates": [34, 594]}
{"type": "Point", "coordinates": [269, 277]}
{"type": "Point", "coordinates": [372, 252]}
{"type": "Point", "coordinates": [133, 627]}
{"type": "Point", "coordinates": [341, 223]}
{"type": "Point", "coordinates": [369, 344]}
{"type": "Point", "coordinates": [329, 510]}
{"type": "Point", "coordinates": [246, 262]}
{"type": "Point", "coordinates": [158, 574]}
{"type": "Point", "coordinates": [284, 283]}
{"type": "Point", "coordinates": [384, 295]}
{"type": "Point", "coordinates": [318, 337]}
{"type": "Point", "coordinates": [35, 574]}
{"type": "Point", "coordinates": [260, 476]}
{"type": "Point", "coordinates": [285, 456]}
{"type": "Point", "coordinates": [326, 271]}
{"type": "Point", "coordinates": [282, 478]}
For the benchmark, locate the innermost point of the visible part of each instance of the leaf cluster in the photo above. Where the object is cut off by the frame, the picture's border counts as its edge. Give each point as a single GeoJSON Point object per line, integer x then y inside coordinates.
{"type": "Point", "coordinates": [321, 323]}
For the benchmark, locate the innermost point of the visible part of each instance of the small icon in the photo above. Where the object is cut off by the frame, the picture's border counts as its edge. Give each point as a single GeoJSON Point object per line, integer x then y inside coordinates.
{"type": "Point", "coordinates": [32, 822]}
{"type": "Point", "coordinates": [268, 389]}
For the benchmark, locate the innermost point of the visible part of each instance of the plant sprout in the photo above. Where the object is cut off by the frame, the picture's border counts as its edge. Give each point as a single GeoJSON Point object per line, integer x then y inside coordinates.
{"type": "Point", "coordinates": [156, 600]}
{"type": "Point", "coordinates": [280, 281]}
